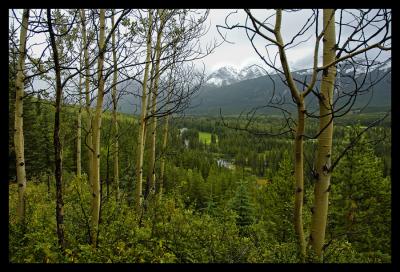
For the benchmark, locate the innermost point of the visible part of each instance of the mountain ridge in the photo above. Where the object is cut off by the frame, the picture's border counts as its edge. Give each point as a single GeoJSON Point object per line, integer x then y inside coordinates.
{"type": "Point", "coordinates": [245, 95]}
{"type": "Point", "coordinates": [241, 90]}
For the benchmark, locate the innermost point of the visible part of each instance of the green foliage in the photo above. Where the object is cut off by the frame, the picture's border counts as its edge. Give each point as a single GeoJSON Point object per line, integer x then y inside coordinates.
{"type": "Point", "coordinates": [342, 251]}
{"type": "Point", "coordinates": [36, 241]}
{"type": "Point", "coordinates": [361, 200]}
{"type": "Point", "coordinates": [207, 138]}
{"type": "Point", "coordinates": [275, 203]}
{"type": "Point", "coordinates": [208, 213]}
{"type": "Point", "coordinates": [241, 203]}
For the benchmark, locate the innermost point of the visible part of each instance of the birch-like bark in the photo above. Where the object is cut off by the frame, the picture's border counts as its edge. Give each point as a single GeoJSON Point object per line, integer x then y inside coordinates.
{"type": "Point", "coordinates": [298, 141]}
{"type": "Point", "coordinates": [160, 186]}
{"type": "Point", "coordinates": [299, 177]}
{"type": "Point", "coordinates": [147, 123]}
{"type": "Point", "coordinates": [152, 173]}
{"type": "Point", "coordinates": [79, 133]}
{"type": "Point", "coordinates": [87, 95]}
{"type": "Point", "coordinates": [114, 114]}
{"type": "Point", "coordinates": [140, 149]}
{"type": "Point", "coordinates": [324, 149]}
{"type": "Point", "coordinates": [148, 105]}
{"type": "Point", "coordinates": [19, 120]}
{"type": "Point", "coordinates": [95, 207]}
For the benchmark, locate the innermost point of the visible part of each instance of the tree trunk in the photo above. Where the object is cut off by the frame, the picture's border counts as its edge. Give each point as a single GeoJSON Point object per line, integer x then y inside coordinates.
{"type": "Point", "coordinates": [19, 119]}
{"type": "Point", "coordinates": [95, 177]}
{"type": "Point", "coordinates": [147, 123]}
{"type": "Point", "coordinates": [87, 96]}
{"type": "Point", "coordinates": [79, 133]}
{"type": "Point", "coordinates": [107, 173]}
{"type": "Point", "coordinates": [164, 141]}
{"type": "Point", "coordinates": [299, 156]}
{"type": "Point", "coordinates": [114, 115]}
{"type": "Point", "coordinates": [140, 149]}
{"type": "Point", "coordinates": [322, 184]}
{"type": "Point", "coordinates": [57, 140]}
{"type": "Point", "coordinates": [299, 178]}
{"type": "Point", "coordinates": [152, 165]}
{"type": "Point", "coordinates": [163, 156]}
{"type": "Point", "coordinates": [148, 105]}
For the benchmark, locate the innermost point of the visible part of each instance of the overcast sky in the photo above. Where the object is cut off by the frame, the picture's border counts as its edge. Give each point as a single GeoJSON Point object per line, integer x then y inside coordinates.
{"type": "Point", "coordinates": [241, 53]}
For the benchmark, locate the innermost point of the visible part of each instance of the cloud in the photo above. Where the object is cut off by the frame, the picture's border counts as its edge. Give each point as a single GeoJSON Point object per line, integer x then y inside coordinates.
{"type": "Point", "coordinates": [241, 53]}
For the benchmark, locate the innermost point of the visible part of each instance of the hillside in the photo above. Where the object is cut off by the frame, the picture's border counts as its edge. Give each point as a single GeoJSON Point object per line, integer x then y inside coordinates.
{"type": "Point", "coordinates": [234, 93]}
{"type": "Point", "coordinates": [257, 92]}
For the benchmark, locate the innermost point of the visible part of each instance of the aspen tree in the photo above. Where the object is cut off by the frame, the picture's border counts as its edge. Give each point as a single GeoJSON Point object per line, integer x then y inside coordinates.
{"type": "Point", "coordinates": [148, 103]}
{"type": "Point", "coordinates": [298, 141]}
{"type": "Point", "coordinates": [324, 149]}
{"type": "Point", "coordinates": [147, 123]}
{"type": "Point", "coordinates": [152, 174]}
{"type": "Point", "coordinates": [354, 45]}
{"type": "Point", "coordinates": [140, 149]}
{"type": "Point", "coordinates": [79, 132]}
{"type": "Point", "coordinates": [19, 119]}
{"type": "Point", "coordinates": [87, 93]}
{"type": "Point", "coordinates": [96, 125]}
{"type": "Point", "coordinates": [298, 96]}
{"type": "Point", "coordinates": [57, 140]}
{"type": "Point", "coordinates": [114, 113]}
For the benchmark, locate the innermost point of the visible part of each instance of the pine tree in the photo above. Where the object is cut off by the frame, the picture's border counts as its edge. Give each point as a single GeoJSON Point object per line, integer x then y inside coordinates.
{"type": "Point", "coordinates": [361, 200]}
{"type": "Point", "coordinates": [242, 204]}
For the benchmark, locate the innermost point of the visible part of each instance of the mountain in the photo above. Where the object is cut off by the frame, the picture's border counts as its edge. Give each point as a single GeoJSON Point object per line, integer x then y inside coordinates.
{"type": "Point", "coordinates": [228, 75]}
{"type": "Point", "coordinates": [241, 95]}
{"type": "Point", "coordinates": [223, 77]}
{"type": "Point", "coordinates": [236, 91]}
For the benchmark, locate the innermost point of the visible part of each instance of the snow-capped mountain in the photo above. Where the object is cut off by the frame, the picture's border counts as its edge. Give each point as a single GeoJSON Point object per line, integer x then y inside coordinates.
{"type": "Point", "coordinates": [250, 72]}
{"type": "Point", "coordinates": [223, 76]}
{"type": "Point", "coordinates": [358, 70]}
{"type": "Point", "coordinates": [228, 75]}
{"type": "Point", "coordinates": [353, 70]}
{"type": "Point", "coordinates": [386, 65]}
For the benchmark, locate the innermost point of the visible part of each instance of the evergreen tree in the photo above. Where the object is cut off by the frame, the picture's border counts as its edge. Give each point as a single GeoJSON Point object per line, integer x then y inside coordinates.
{"type": "Point", "coordinates": [361, 200]}
{"type": "Point", "coordinates": [242, 204]}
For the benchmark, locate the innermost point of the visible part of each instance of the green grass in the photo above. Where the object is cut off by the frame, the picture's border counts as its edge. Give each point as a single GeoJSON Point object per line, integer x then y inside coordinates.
{"type": "Point", "coordinates": [206, 137]}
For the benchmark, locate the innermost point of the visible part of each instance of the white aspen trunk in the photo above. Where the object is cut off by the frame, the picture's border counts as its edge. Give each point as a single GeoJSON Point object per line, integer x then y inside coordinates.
{"type": "Point", "coordinates": [164, 148]}
{"type": "Point", "coordinates": [298, 148]}
{"type": "Point", "coordinates": [95, 208]}
{"type": "Point", "coordinates": [87, 96]}
{"type": "Point", "coordinates": [148, 103]}
{"type": "Point", "coordinates": [19, 120]}
{"type": "Point", "coordinates": [299, 178]}
{"type": "Point", "coordinates": [152, 165]}
{"type": "Point", "coordinates": [324, 149]}
{"type": "Point", "coordinates": [79, 133]}
{"type": "Point", "coordinates": [140, 149]}
{"type": "Point", "coordinates": [114, 114]}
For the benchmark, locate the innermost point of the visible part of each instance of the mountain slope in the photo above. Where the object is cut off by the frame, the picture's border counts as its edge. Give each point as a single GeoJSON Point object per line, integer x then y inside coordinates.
{"type": "Point", "coordinates": [257, 92]}
{"type": "Point", "coordinates": [240, 91]}
{"type": "Point", "coordinates": [229, 75]}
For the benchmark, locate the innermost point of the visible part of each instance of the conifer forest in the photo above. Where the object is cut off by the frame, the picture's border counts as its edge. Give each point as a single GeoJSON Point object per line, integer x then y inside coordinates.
{"type": "Point", "coordinates": [136, 136]}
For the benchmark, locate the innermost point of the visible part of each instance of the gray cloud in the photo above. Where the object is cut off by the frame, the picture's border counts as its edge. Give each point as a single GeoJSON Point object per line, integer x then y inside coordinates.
{"type": "Point", "coordinates": [241, 52]}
